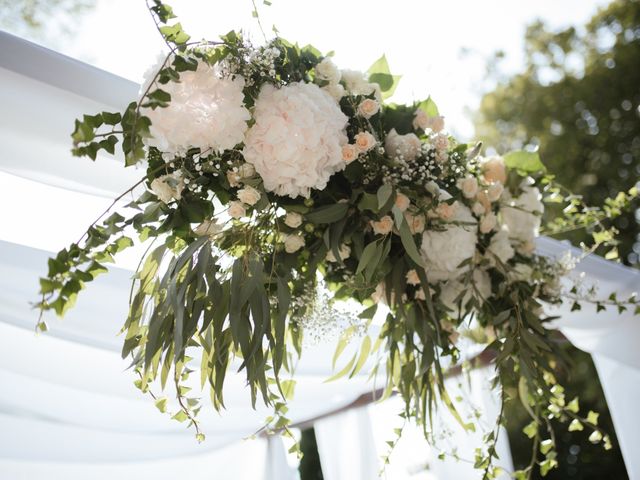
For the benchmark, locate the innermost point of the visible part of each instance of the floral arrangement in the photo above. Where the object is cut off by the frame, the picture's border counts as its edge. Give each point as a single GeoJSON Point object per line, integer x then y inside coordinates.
{"type": "Point", "coordinates": [271, 175]}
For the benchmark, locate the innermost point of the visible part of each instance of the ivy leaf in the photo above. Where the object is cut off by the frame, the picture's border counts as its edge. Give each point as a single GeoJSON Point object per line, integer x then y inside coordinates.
{"type": "Point", "coordinates": [174, 34]}
{"type": "Point", "coordinates": [429, 107]}
{"type": "Point", "coordinates": [379, 73]}
{"type": "Point", "coordinates": [161, 404]}
{"type": "Point", "coordinates": [531, 430]}
{"type": "Point", "coordinates": [575, 426]}
{"type": "Point", "coordinates": [528, 162]}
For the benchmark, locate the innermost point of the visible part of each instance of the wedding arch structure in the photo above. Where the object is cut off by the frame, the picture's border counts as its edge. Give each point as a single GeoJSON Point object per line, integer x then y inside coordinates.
{"type": "Point", "coordinates": [66, 408]}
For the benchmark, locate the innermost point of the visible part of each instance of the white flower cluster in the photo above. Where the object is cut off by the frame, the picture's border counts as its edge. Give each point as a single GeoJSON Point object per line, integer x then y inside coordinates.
{"type": "Point", "coordinates": [253, 63]}
{"type": "Point", "coordinates": [296, 142]}
{"type": "Point", "coordinates": [206, 111]}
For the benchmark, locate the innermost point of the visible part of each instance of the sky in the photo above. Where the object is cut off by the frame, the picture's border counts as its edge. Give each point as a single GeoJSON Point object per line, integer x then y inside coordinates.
{"type": "Point", "coordinates": [439, 48]}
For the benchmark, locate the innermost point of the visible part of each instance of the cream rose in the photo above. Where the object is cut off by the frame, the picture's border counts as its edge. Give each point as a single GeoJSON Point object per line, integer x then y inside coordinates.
{"type": "Point", "coordinates": [488, 222]}
{"type": "Point", "coordinates": [327, 70]}
{"type": "Point", "coordinates": [494, 170]}
{"type": "Point", "coordinates": [293, 243]}
{"type": "Point", "coordinates": [368, 108]}
{"type": "Point", "coordinates": [402, 202]}
{"type": "Point", "coordinates": [249, 195]}
{"type": "Point", "coordinates": [446, 211]}
{"type": "Point", "coordinates": [350, 153]}
{"type": "Point", "coordinates": [423, 121]}
{"type": "Point", "coordinates": [336, 91]}
{"type": "Point", "coordinates": [412, 277]}
{"type": "Point", "coordinates": [494, 191]}
{"type": "Point", "coordinates": [293, 219]}
{"type": "Point", "coordinates": [468, 186]}
{"type": "Point", "coordinates": [365, 141]}
{"type": "Point", "coordinates": [168, 187]}
{"type": "Point", "coordinates": [247, 170]}
{"type": "Point", "coordinates": [233, 178]}
{"type": "Point", "coordinates": [344, 252]}
{"type": "Point", "coordinates": [416, 222]}
{"type": "Point", "coordinates": [208, 228]}
{"type": "Point", "coordinates": [236, 209]}
{"type": "Point", "coordinates": [383, 226]}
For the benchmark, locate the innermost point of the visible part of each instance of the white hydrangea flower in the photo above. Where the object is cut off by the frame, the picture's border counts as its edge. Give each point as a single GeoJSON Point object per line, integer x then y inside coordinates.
{"type": "Point", "coordinates": [206, 111]}
{"type": "Point", "coordinates": [480, 289]}
{"type": "Point", "coordinates": [296, 142]}
{"type": "Point", "coordinates": [500, 246]}
{"type": "Point", "coordinates": [443, 251]}
{"type": "Point", "coordinates": [522, 215]}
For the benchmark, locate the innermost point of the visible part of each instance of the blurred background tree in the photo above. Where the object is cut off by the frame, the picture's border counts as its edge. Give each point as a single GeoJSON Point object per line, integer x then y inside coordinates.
{"type": "Point", "coordinates": [53, 20]}
{"type": "Point", "coordinates": [578, 99]}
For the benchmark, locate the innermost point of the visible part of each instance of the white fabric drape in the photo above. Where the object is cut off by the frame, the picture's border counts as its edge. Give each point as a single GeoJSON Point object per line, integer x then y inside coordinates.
{"type": "Point", "coordinates": [352, 444]}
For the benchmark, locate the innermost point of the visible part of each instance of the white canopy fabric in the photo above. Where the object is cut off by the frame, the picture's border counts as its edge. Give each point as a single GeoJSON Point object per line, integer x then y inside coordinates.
{"type": "Point", "coordinates": [67, 405]}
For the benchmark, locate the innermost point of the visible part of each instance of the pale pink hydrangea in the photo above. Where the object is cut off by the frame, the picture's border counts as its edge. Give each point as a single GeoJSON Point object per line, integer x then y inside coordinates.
{"type": "Point", "coordinates": [206, 111]}
{"type": "Point", "coordinates": [296, 142]}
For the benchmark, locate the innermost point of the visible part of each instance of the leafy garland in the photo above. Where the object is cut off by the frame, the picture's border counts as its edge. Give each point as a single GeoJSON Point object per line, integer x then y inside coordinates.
{"type": "Point", "coordinates": [233, 266]}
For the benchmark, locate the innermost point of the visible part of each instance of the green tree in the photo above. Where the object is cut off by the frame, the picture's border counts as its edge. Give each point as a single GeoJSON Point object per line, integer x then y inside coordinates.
{"type": "Point", "coordinates": [578, 99]}
{"type": "Point", "coordinates": [43, 19]}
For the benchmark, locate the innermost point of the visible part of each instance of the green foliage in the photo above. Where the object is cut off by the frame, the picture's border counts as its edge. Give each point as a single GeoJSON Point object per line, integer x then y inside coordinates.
{"type": "Point", "coordinates": [379, 73]}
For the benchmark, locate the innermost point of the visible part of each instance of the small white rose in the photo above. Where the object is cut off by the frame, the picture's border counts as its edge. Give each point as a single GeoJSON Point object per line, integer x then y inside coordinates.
{"type": "Point", "coordinates": [293, 243]}
{"type": "Point", "coordinates": [293, 220]}
{"type": "Point", "coordinates": [402, 202]}
{"type": "Point", "coordinates": [468, 186]}
{"type": "Point", "coordinates": [413, 278]}
{"type": "Point", "coordinates": [233, 178]}
{"type": "Point", "coordinates": [344, 251]}
{"type": "Point", "coordinates": [478, 208]}
{"type": "Point", "coordinates": [494, 170]}
{"type": "Point", "coordinates": [208, 228]}
{"type": "Point", "coordinates": [350, 153]}
{"type": "Point", "coordinates": [440, 142]}
{"type": "Point", "coordinates": [416, 222]}
{"type": "Point", "coordinates": [446, 211]}
{"type": "Point", "coordinates": [488, 222]}
{"type": "Point", "coordinates": [168, 187]}
{"type": "Point", "coordinates": [327, 70]}
{"type": "Point", "coordinates": [383, 226]}
{"type": "Point", "coordinates": [425, 122]}
{"type": "Point", "coordinates": [247, 170]}
{"type": "Point", "coordinates": [249, 195]}
{"type": "Point", "coordinates": [336, 90]}
{"type": "Point", "coordinates": [368, 108]}
{"type": "Point", "coordinates": [494, 192]}
{"type": "Point", "coordinates": [237, 209]}
{"type": "Point", "coordinates": [365, 141]}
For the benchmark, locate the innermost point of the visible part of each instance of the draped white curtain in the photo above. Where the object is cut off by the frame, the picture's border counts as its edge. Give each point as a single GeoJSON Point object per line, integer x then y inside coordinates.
{"type": "Point", "coordinates": [352, 444]}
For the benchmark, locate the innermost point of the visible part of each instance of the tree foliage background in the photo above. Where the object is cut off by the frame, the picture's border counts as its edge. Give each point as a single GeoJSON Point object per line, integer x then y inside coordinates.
{"type": "Point", "coordinates": [578, 100]}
